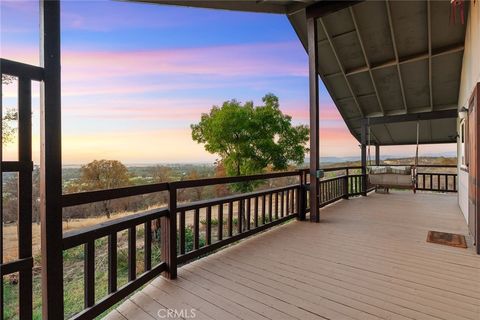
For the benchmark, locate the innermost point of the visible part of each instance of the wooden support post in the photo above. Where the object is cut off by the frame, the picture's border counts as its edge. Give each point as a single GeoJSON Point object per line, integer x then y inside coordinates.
{"type": "Point", "coordinates": [377, 155]}
{"type": "Point", "coordinates": [168, 225]}
{"type": "Point", "coordinates": [364, 158]}
{"type": "Point", "coordinates": [51, 162]}
{"type": "Point", "coordinates": [314, 119]}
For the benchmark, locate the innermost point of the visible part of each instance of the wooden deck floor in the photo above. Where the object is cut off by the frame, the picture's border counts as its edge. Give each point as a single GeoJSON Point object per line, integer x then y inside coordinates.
{"type": "Point", "coordinates": [368, 259]}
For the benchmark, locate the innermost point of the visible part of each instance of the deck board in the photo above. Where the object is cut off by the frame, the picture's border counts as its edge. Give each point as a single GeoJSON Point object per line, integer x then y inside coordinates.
{"type": "Point", "coordinates": [367, 259]}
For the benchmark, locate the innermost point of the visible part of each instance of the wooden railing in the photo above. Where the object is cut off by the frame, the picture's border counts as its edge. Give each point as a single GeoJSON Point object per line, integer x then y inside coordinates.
{"type": "Point", "coordinates": [86, 237]}
{"type": "Point", "coordinates": [190, 230]}
{"type": "Point", "coordinates": [436, 178]}
{"type": "Point", "coordinates": [214, 223]}
{"type": "Point", "coordinates": [341, 186]}
{"type": "Point", "coordinates": [439, 180]}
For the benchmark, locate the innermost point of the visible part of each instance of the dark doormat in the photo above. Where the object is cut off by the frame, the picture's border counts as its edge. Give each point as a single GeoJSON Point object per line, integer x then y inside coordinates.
{"type": "Point", "coordinates": [448, 239]}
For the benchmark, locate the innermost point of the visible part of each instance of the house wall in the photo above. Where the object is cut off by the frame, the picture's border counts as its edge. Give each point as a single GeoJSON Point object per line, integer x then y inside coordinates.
{"type": "Point", "coordinates": [470, 76]}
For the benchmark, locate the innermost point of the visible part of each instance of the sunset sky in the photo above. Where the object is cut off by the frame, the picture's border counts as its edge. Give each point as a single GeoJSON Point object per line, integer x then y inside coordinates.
{"type": "Point", "coordinates": [135, 76]}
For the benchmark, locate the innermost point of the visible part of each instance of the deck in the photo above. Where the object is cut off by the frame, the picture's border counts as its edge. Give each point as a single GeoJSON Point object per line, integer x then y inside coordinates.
{"type": "Point", "coordinates": [368, 259]}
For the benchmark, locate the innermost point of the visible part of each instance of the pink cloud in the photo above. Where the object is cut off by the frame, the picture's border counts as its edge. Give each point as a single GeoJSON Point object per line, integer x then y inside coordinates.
{"type": "Point", "coordinates": [233, 60]}
{"type": "Point", "coordinates": [113, 72]}
{"type": "Point", "coordinates": [158, 109]}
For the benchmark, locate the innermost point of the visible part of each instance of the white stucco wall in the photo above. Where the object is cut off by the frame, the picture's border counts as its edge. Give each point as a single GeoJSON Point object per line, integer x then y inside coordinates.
{"type": "Point", "coordinates": [470, 76]}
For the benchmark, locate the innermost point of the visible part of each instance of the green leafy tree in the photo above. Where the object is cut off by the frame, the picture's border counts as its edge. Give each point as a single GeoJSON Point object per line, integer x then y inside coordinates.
{"type": "Point", "coordinates": [104, 174]}
{"type": "Point", "coordinates": [249, 139]}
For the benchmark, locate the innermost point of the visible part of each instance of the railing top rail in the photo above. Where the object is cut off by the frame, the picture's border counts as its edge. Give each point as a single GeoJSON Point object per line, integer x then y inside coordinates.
{"type": "Point", "coordinates": [78, 237]}
{"type": "Point", "coordinates": [215, 201]}
{"type": "Point", "coordinates": [333, 168]}
{"type": "Point", "coordinates": [75, 199]}
{"type": "Point", "coordinates": [21, 70]}
{"type": "Point", "coordinates": [225, 180]}
{"type": "Point", "coordinates": [422, 165]}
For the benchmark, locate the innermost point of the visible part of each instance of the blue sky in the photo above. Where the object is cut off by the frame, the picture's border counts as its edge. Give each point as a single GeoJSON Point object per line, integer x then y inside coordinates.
{"type": "Point", "coordinates": [135, 76]}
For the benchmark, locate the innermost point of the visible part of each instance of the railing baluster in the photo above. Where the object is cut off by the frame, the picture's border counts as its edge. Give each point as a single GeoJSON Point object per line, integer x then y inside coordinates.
{"type": "Point", "coordinates": [248, 219]}
{"type": "Point", "coordinates": [328, 196]}
{"type": "Point", "coordinates": [132, 253]}
{"type": "Point", "coordinates": [276, 205]}
{"type": "Point", "coordinates": [147, 236]}
{"type": "Point", "coordinates": [182, 232]}
{"type": "Point", "coordinates": [339, 188]}
{"type": "Point", "coordinates": [292, 201]}
{"type": "Point", "coordinates": [321, 189]}
{"type": "Point", "coordinates": [255, 213]}
{"type": "Point", "coordinates": [270, 207]}
{"type": "Point", "coordinates": [295, 201]}
{"type": "Point", "coordinates": [89, 274]}
{"type": "Point", "coordinates": [287, 209]}
{"type": "Point", "coordinates": [230, 219]}
{"type": "Point", "coordinates": [240, 216]}
{"type": "Point", "coordinates": [454, 183]}
{"type": "Point", "coordinates": [208, 225]}
{"type": "Point", "coordinates": [334, 189]}
{"type": "Point", "coordinates": [196, 229]}
{"type": "Point", "coordinates": [112, 263]}
{"type": "Point", "coordinates": [264, 208]}
{"type": "Point", "coordinates": [282, 205]}
{"type": "Point", "coordinates": [220, 222]}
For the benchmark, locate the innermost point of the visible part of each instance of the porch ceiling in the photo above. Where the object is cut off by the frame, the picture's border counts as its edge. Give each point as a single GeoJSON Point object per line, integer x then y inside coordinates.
{"type": "Point", "coordinates": [380, 58]}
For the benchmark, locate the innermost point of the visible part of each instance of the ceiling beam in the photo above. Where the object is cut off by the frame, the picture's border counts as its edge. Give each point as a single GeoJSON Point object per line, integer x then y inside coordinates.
{"type": "Point", "coordinates": [392, 34]}
{"type": "Point", "coordinates": [325, 7]}
{"type": "Point", "coordinates": [366, 59]}
{"type": "Point", "coordinates": [404, 60]}
{"type": "Point", "coordinates": [367, 95]}
{"type": "Point", "coordinates": [433, 115]}
{"type": "Point", "coordinates": [444, 141]}
{"type": "Point", "coordinates": [429, 32]}
{"type": "Point", "coordinates": [338, 36]}
{"type": "Point", "coordinates": [340, 66]}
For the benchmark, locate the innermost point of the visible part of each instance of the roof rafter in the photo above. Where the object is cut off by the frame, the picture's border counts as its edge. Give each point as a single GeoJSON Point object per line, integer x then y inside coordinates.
{"type": "Point", "coordinates": [366, 59]}
{"type": "Point", "coordinates": [392, 34]}
{"type": "Point", "coordinates": [433, 115]}
{"type": "Point", "coordinates": [340, 66]}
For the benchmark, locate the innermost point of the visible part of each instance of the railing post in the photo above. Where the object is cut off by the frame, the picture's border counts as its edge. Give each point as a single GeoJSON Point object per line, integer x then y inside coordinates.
{"type": "Point", "coordinates": [51, 162]}
{"type": "Point", "coordinates": [301, 197]}
{"type": "Point", "coordinates": [168, 225]}
{"type": "Point", "coordinates": [345, 186]}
